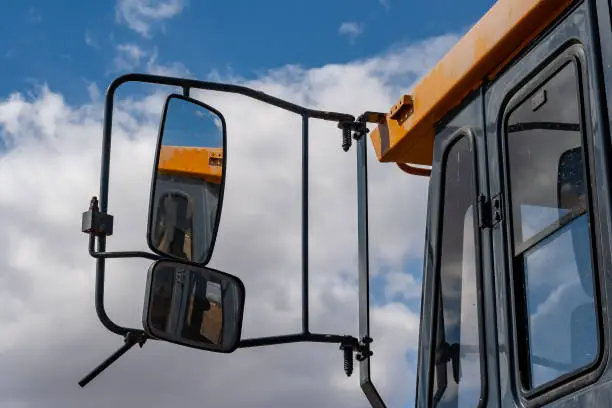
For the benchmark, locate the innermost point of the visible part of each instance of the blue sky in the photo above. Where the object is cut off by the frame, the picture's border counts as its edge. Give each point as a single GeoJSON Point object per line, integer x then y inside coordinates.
{"type": "Point", "coordinates": [72, 46]}
{"type": "Point", "coordinates": [188, 124]}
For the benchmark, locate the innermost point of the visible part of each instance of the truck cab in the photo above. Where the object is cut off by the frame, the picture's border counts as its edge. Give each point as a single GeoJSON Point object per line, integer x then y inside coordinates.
{"type": "Point", "coordinates": [514, 125]}
{"type": "Point", "coordinates": [512, 128]}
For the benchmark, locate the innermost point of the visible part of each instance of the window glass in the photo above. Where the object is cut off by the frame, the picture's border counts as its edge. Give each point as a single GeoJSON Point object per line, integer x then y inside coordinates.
{"type": "Point", "coordinates": [562, 319]}
{"type": "Point", "coordinates": [457, 358]}
{"type": "Point", "coordinates": [553, 272]}
{"type": "Point", "coordinates": [541, 131]}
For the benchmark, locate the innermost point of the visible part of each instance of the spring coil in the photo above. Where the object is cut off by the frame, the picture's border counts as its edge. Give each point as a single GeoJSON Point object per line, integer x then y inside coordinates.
{"type": "Point", "coordinates": [346, 139]}
{"type": "Point", "coordinates": [348, 360]}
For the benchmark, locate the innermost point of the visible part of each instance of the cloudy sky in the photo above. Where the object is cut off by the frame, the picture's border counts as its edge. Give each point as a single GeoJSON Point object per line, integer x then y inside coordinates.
{"type": "Point", "coordinates": [347, 56]}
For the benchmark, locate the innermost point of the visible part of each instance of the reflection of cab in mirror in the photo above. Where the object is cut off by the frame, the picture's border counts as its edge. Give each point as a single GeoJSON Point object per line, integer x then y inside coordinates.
{"type": "Point", "coordinates": [174, 225]}
{"type": "Point", "coordinates": [188, 181]}
{"type": "Point", "coordinates": [204, 319]}
{"type": "Point", "coordinates": [193, 306]}
{"type": "Point", "coordinates": [182, 186]}
{"type": "Point", "coordinates": [161, 299]}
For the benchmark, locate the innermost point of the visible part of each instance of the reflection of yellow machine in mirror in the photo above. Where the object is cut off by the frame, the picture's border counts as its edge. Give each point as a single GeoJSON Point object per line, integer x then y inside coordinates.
{"type": "Point", "coordinates": [192, 162]}
{"type": "Point", "coordinates": [187, 196]}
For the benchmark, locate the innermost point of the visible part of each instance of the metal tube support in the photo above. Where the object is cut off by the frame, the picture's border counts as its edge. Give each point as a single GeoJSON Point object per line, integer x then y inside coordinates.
{"type": "Point", "coordinates": [364, 272]}
{"type": "Point", "coordinates": [305, 235]}
{"type": "Point", "coordinates": [122, 254]}
{"type": "Point", "coordinates": [130, 341]}
{"type": "Point", "coordinates": [99, 297]}
{"type": "Point", "coordinates": [236, 89]}
{"type": "Point", "coordinates": [103, 202]}
{"type": "Point", "coordinates": [297, 338]}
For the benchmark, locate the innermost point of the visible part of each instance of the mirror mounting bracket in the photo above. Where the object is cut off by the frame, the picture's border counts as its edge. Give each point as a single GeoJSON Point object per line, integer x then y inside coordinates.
{"type": "Point", "coordinates": [360, 347]}
{"type": "Point", "coordinates": [96, 222]}
{"type": "Point", "coordinates": [99, 224]}
{"type": "Point", "coordinates": [357, 129]}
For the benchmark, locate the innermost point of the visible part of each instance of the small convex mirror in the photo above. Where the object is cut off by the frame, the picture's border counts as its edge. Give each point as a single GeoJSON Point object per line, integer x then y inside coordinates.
{"type": "Point", "coordinates": [194, 306]}
{"type": "Point", "coordinates": [188, 181]}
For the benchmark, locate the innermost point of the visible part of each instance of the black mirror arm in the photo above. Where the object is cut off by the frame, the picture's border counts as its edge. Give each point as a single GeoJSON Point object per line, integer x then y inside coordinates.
{"type": "Point", "coordinates": [131, 339]}
{"type": "Point", "coordinates": [186, 84]}
{"type": "Point", "coordinates": [119, 254]}
{"type": "Point", "coordinates": [99, 224]}
{"type": "Point", "coordinates": [348, 344]}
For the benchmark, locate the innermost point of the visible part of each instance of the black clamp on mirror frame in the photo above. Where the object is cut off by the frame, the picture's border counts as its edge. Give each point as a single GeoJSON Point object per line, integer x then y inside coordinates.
{"type": "Point", "coordinates": [98, 224]}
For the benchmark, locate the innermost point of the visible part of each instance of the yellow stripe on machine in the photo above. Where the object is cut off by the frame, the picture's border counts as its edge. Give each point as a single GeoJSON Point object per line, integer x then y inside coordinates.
{"type": "Point", "coordinates": [197, 162]}
{"type": "Point", "coordinates": [407, 133]}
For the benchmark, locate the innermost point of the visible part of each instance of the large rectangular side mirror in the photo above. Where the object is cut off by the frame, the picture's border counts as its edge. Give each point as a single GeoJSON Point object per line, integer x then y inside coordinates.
{"type": "Point", "coordinates": [194, 306]}
{"type": "Point", "coordinates": [188, 181]}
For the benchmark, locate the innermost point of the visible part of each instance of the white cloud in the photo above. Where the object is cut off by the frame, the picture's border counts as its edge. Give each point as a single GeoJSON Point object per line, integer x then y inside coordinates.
{"type": "Point", "coordinates": [35, 15]}
{"type": "Point", "coordinates": [402, 285]}
{"type": "Point", "coordinates": [94, 92]}
{"type": "Point", "coordinates": [49, 171]}
{"type": "Point", "coordinates": [350, 29]}
{"type": "Point", "coordinates": [171, 69]}
{"type": "Point", "coordinates": [90, 40]}
{"type": "Point", "coordinates": [385, 3]}
{"type": "Point", "coordinates": [142, 15]}
{"type": "Point", "coordinates": [131, 57]}
{"type": "Point", "coordinates": [128, 57]}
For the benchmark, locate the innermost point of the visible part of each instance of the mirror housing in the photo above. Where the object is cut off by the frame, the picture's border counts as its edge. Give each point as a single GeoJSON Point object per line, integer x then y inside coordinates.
{"type": "Point", "coordinates": [188, 181]}
{"type": "Point", "coordinates": [193, 306]}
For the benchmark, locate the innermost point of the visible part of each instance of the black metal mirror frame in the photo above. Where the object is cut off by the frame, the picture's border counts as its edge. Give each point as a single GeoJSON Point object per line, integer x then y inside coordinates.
{"type": "Point", "coordinates": [98, 224]}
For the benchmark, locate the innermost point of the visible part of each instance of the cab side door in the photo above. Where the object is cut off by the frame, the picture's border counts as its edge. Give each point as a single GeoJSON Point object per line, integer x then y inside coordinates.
{"type": "Point", "coordinates": [551, 236]}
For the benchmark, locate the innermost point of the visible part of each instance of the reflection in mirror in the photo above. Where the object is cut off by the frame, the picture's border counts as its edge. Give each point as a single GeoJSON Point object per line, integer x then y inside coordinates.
{"type": "Point", "coordinates": [193, 306]}
{"type": "Point", "coordinates": [187, 186]}
{"type": "Point", "coordinates": [571, 188]}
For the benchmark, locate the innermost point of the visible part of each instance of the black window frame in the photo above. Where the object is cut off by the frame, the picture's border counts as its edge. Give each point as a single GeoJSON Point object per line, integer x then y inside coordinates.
{"type": "Point", "coordinates": [571, 53]}
{"type": "Point", "coordinates": [458, 135]}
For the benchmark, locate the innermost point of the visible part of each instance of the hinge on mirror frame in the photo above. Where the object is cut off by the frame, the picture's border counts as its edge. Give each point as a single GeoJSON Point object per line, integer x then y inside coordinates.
{"type": "Point", "coordinates": [489, 211]}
